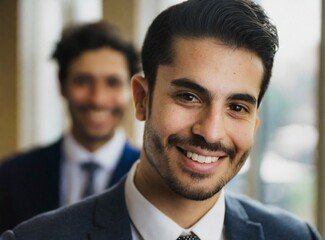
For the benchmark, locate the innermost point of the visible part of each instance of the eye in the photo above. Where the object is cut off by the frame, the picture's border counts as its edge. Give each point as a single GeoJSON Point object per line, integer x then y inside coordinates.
{"type": "Point", "coordinates": [113, 81]}
{"type": "Point", "coordinates": [188, 97]}
{"type": "Point", "coordinates": [238, 108]}
{"type": "Point", "coordinates": [82, 80]}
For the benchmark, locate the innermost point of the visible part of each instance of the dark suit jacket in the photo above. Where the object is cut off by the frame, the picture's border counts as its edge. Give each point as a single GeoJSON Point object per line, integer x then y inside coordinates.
{"type": "Point", "coordinates": [105, 217]}
{"type": "Point", "coordinates": [29, 182]}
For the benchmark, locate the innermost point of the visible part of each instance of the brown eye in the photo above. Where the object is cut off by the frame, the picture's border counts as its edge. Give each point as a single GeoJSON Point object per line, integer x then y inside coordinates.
{"type": "Point", "coordinates": [82, 80]}
{"type": "Point", "coordinates": [114, 81]}
{"type": "Point", "coordinates": [188, 97]}
{"type": "Point", "coordinates": [238, 108]}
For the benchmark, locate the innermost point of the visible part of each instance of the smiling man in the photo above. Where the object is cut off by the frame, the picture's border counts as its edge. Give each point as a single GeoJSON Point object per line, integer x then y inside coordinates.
{"type": "Point", "coordinates": [207, 65]}
{"type": "Point", "coordinates": [96, 90]}
{"type": "Point", "coordinates": [202, 120]}
{"type": "Point", "coordinates": [95, 66]}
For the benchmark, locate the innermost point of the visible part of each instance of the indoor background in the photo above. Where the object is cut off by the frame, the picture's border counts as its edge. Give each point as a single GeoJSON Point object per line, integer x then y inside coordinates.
{"type": "Point", "coordinates": [287, 165]}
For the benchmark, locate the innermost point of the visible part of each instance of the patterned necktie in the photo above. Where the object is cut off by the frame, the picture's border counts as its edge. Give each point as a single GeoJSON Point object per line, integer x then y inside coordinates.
{"type": "Point", "coordinates": [192, 236]}
{"type": "Point", "coordinates": [90, 169]}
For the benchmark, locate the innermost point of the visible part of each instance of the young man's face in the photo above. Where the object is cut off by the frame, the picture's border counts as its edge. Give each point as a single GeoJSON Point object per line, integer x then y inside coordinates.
{"type": "Point", "coordinates": [97, 93]}
{"type": "Point", "coordinates": [203, 118]}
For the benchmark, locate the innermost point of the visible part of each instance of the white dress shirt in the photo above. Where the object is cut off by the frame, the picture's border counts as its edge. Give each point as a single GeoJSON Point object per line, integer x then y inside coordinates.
{"type": "Point", "coordinates": [148, 222]}
{"type": "Point", "coordinates": [74, 178]}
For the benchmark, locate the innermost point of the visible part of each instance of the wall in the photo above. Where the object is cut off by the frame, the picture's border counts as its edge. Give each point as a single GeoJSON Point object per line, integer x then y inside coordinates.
{"type": "Point", "coordinates": [8, 77]}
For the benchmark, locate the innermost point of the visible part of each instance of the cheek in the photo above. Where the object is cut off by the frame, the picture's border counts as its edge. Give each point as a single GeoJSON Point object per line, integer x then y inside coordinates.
{"type": "Point", "coordinates": [171, 119]}
{"type": "Point", "coordinates": [77, 95]}
{"type": "Point", "coordinates": [123, 98]}
{"type": "Point", "coordinates": [242, 136]}
{"type": "Point", "coordinates": [163, 119]}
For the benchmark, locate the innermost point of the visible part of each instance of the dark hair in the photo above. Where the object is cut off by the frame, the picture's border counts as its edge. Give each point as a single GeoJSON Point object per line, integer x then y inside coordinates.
{"type": "Point", "coordinates": [77, 39]}
{"type": "Point", "coordinates": [238, 23]}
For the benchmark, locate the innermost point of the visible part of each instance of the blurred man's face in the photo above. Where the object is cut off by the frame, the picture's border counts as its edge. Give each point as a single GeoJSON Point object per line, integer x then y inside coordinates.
{"type": "Point", "coordinates": [97, 93]}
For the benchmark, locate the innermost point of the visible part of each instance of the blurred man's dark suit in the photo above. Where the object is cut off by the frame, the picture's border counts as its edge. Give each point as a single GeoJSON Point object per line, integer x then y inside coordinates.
{"type": "Point", "coordinates": [30, 182]}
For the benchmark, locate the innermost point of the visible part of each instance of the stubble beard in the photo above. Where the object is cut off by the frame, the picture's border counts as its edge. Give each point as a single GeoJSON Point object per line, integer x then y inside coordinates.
{"type": "Point", "coordinates": [155, 152]}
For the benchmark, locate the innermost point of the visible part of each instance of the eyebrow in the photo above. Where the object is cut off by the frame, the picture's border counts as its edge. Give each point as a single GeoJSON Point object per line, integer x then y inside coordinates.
{"type": "Point", "coordinates": [243, 97]}
{"type": "Point", "coordinates": [187, 83]}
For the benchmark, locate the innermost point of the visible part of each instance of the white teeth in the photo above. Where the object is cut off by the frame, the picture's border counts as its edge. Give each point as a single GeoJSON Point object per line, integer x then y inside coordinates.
{"type": "Point", "coordinates": [200, 158]}
{"type": "Point", "coordinates": [98, 114]}
{"type": "Point", "coordinates": [208, 159]}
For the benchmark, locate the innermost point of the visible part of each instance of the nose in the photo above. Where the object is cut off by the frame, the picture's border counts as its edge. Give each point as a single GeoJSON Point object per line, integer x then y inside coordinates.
{"type": "Point", "coordinates": [210, 125]}
{"type": "Point", "coordinates": [99, 95]}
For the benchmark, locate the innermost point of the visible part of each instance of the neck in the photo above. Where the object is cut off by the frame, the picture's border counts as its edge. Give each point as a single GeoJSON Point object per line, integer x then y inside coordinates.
{"type": "Point", "coordinates": [185, 212]}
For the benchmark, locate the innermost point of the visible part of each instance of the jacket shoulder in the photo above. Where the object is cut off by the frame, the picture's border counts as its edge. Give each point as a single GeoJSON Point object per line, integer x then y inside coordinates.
{"type": "Point", "coordinates": [100, 214]}
{"type": "Point", "coordinates": [31, 156]}
{"type": "Point", "coordinates": [276, 223]}
{"type": "Point", "coordinates": [71, 222]}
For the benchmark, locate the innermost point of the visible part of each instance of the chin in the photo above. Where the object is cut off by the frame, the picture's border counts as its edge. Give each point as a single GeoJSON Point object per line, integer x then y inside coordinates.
{"type": "Point", "coordinates": [99, 137]}
{"type": "Point", "coordinates": [197, 194]}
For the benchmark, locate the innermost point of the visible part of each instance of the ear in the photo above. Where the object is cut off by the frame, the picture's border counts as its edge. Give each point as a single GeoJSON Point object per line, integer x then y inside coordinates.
{"type": "Point", "coordinates": [140, 96]}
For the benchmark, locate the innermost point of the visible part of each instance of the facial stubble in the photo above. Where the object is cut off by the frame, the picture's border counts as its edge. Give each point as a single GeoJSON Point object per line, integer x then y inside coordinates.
{"type": "Point", "coordinates": [156, 154]}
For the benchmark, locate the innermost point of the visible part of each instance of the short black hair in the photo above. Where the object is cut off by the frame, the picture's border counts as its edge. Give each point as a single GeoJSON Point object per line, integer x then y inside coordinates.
{"type": "Point", "coordinates": [77, 39]}
{"type": "Point", "coordinates": [238, 23]}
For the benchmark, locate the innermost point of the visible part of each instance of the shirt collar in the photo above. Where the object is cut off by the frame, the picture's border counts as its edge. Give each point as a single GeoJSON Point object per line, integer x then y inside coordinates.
{"type": "Point", "coordinates": [106, 156]}
{"type": "Point", "coordinates": [159, 226]}
{"type": "Point", "coordinates": [210, 226]}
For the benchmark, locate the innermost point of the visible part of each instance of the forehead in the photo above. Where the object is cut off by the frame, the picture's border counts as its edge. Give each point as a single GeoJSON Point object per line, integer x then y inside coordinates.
{"type": "Point", "coordinates": [213, 53]}
{"type": "Point", "coordinates": [214, 65]}
{"type": "Point", "coordinates": [101, 58]}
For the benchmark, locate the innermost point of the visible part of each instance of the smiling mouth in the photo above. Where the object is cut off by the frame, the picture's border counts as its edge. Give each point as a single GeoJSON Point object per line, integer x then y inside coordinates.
{"type": "Point", "coordinates": [197, 157]}
{"type": "Point", "coordinates": [102, 114]}
{"type": "Point", "coordinates": [98, 114]}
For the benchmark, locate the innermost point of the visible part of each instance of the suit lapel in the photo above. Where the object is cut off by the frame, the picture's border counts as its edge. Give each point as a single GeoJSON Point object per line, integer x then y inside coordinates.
{"type": "Point", "coordinates": [129, 156]}
{"type": "Point", "coordinates": [237, 224]}
{"type": "Point", "coordinates": [111, 216]}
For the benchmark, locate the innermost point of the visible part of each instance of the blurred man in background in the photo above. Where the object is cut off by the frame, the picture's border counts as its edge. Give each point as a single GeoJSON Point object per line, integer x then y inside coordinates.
{"type": "Point", "coordinates": [95, 64]}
